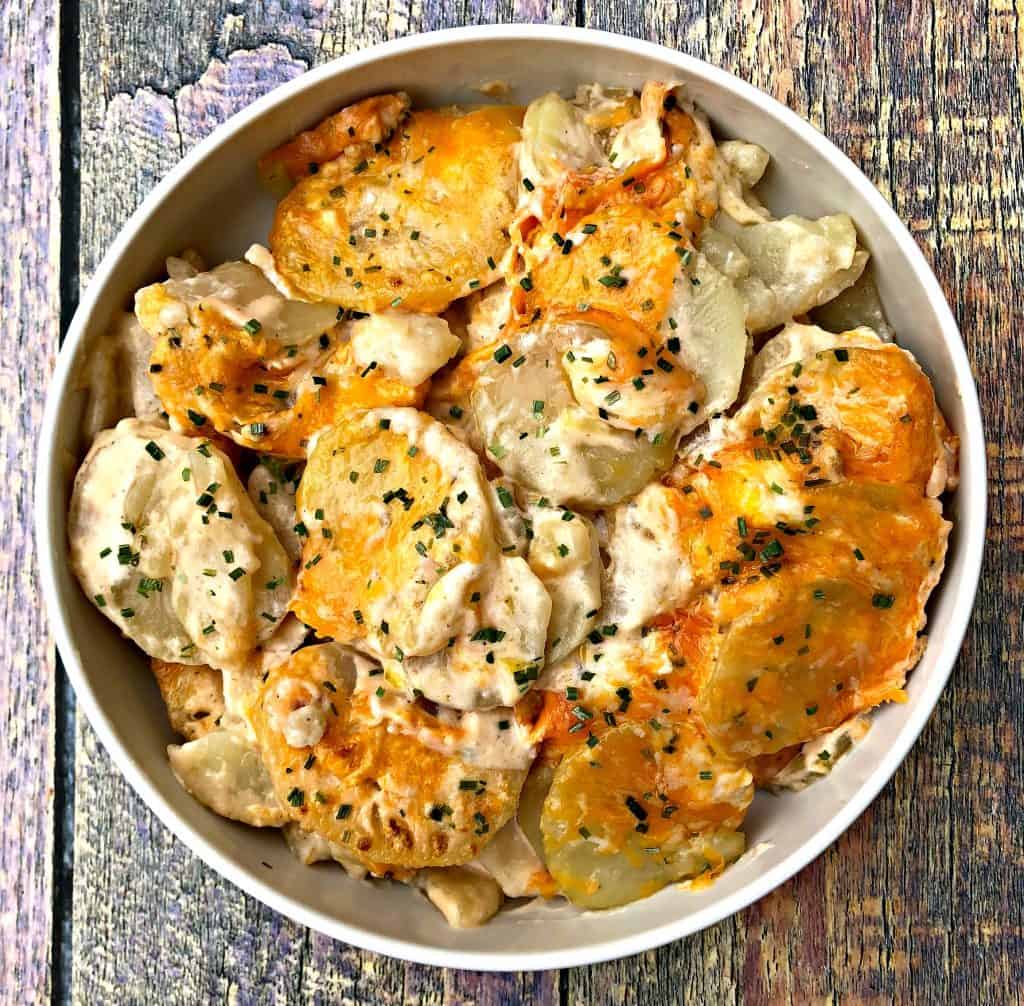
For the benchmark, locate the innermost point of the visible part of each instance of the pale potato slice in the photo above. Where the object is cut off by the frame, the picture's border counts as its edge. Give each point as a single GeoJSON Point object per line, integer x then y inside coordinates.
{"type": "Point", "coordinates": [467, 898]}
{"type": "Point", "coordinates": [531, 426]}
{"type": "Point", "coordinates": [642, 808]}
{"type": "Point", "coordinates": [225, 772]}
{"type": "Point", "coordinates": [114, 375]}
{"type": "Point", "coordinates": [557, 140]}
{"type": "Point", "coordinates": [740, 167]}
{"type": "Point", "coordinates": [795, 265]}
{"type": "Point", "coordinates": [512, 527]}
{"type": "Point", "coordinates": [479, 318]}
{"type": "Point", "coordinates": [382, 794]}
{"type": "Point", "coordinates": [564, 555]}
{"type": "Point", "coordinates": [399, 531]}
{"type": "Point", "coordinates": [818, 757]}
{"type": "Point", "coordinates": [234, 354]}
{"type": "Point", "coordinates": [514, 863]}
{"type": "Point", "coordinates": [797, 342]}
{"type": "Point", "coordinates": [193, 695]}
{"type": "Point", "coordinates": [309, 848]}
{"type": "Point", "coordinates": [706, 320]}
{"type": "Point", "coordinates": [166, 542]}
{"type": "Point", "coordinates": [748, 161]}
{"type": "Point", "coordinates": [858, 306]}
{"type": "Point", "coordinates": [416, 222]}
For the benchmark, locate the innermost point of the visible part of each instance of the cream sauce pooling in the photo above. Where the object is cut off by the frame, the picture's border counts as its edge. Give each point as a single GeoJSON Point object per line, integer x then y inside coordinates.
{"type": "Point", "coordinates": [492, 738]}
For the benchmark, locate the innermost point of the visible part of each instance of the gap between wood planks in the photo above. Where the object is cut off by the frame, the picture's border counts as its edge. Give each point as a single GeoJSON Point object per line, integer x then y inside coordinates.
{"type": "Point", "coordinates": [62, 922]}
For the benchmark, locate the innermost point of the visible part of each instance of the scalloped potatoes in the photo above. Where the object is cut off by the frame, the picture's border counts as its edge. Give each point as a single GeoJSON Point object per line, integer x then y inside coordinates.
{"type": "Point", "coordinates": [516, 520]}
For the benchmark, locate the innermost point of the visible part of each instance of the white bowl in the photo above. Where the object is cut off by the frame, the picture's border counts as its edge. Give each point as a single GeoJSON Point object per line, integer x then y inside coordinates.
{"type": "Point", "coordinates": [212, 200]}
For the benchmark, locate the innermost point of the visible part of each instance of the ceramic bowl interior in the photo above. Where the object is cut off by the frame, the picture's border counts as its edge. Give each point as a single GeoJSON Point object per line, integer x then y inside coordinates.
{"type": "Point", "coordinates": [212, 201]}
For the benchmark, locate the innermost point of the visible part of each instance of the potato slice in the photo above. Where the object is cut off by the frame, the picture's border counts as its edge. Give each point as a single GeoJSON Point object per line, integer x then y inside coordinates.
{"type": "Point", "coordinates": [527, 420]}
{"type": "Point", "coordinates": [352, 133]}
{"type": "Point", "coordinates": [480, 318]}
{"type": "Point", "coordinates": [564, 555]}
{"type": "Point", "coordinates": [498, 652]}
{"type": "Point", "coordinates": [398, 532]}
{"type": "Point", "coordinates": [858, 306]}
{"type": "Point", "coordinates": [407, 347]}
{"type": "Point", "coordinates": [741, 166]}
{"type": "Point", "coordinates": [467, 898]}
{"type": "Point", "coordinates": [309, 848]}
{"type": "Point", "coordinates": [169, 546]}
{"type": "Point", "coordinates": [557, 140]}
{"type": "Point", "coordinates": [193, 694]}
{"type": "Point", "coordinates": [114, 375]}
{"type": "Point", "coordinates": [272, 487]}
{"type": "Point", "coordinates": [875, 405]}
{"type": "Point", "coordinates": [418, 222]}
{"type": "Point", "coordinates": [809, 609]}
{"type": "Point", "coordinates": [513, 862]}
{"type": "Point", "coordinates": [233, 353]}
{"type": "Point", "coordinates": [795, 343]}
{"type": "Point", "coordinates": [383, 794]}
{"type": "Point", "coordinates": [649, 571]}
{"type": "Point", "coordinates": [818, 757]}
{"type": "Point", "coordinates": [795, 265]}
{"type": "Point", "coordinates": [706, 319]}
{"type": "Point", "coordinates": [642, 808]}
{"type": "Point", "coordinates": [225, 772]}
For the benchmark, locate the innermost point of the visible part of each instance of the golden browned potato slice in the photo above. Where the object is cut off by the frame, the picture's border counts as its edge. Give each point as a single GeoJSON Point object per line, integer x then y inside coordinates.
{"type": "Point", "coordinates": [643, 807]}
{"type": "Point", "coordinates": [193, 694]}
{"type": "Point", "coordinates": [398, 531]}
{"type": "Point", "coordinates": [810, 627]}
{"type": "Point", "coordinates": [418, 222]}
{"type": "Point", "coordinates": [382, 793]}
{"type": "Point", "coordinates": [166, 542]}
{"type": "Point", "coordinates": [233, 354]}
{"type": "Point", "coordinates": [351, 133]}
{"type": "Point", "coordinates": [875, 405]}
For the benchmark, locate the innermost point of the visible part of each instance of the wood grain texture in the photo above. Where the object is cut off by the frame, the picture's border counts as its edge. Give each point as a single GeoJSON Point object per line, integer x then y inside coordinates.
{"type": "Point", "coordinates": [29, 325]}
{"type": "Point", "coordinates": [921, 900]}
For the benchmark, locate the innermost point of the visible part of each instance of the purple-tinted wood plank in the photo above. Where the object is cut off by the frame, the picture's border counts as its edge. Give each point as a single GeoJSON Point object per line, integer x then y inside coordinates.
{"type": "Point", "coordinates": [29, 329]}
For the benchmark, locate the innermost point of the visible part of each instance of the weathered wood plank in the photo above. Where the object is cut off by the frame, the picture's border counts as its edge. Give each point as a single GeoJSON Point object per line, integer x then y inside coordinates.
{"type": "Point", "coordinates": [921, 900]}
{"type": "Point", "coordinates": [29, 328]}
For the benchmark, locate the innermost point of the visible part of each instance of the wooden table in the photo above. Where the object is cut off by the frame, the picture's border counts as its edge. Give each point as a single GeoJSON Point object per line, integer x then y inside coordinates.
{"type": "Point", "coordinates": [920, 901]}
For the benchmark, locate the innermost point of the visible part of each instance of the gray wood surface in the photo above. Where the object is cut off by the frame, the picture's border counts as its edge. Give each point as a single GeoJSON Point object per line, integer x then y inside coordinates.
{"type": "Point", "coordinates": [921, 901]}
{"type": "Point", "coordinates": [29, 322]}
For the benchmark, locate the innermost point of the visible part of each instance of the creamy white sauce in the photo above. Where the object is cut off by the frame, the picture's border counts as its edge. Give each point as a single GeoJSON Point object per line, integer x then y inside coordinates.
{"type": "Point", "coordinates": [410, 347]}
{"type": "Point", "coordinates": [650, 572]}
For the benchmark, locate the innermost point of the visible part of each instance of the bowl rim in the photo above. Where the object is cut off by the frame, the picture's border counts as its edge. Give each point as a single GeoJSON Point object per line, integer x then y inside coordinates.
{"type": "Point", "coordinates": [971, 538]}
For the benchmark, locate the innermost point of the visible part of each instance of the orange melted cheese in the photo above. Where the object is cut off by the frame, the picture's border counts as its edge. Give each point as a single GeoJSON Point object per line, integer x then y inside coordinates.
{"type": "Point", "coordinates": [383, 795]}
{"type": "Point", "coordinates": [383, 520]}
{"type": "Point", "coordinates": [418, 222]}
{"type": "Point", "coordinates": [249, 385]}
{"type": "Point", "coordinates": [353, 132]}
